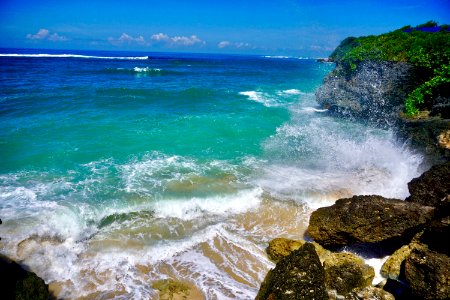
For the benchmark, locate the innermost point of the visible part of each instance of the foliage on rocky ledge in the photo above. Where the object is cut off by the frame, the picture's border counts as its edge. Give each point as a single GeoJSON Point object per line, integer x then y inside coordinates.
{"type": "Point", "coordinates": [426, 46]}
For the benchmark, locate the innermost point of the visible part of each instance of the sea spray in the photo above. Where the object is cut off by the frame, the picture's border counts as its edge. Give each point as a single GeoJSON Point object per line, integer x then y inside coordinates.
{"type": "Point", "coordinates": [118, 170]}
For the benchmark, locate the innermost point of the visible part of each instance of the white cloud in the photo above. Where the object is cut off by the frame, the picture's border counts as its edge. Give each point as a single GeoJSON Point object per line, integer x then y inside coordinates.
{"type": "Point", "coordinates": [57, 38]}
{"type": "Point", "coordinates": [44, 34]}
{"type": "Point", "coordinates": [223, 44]}
{"type": "Point", "coordinates": [239, 45]}
{"type": "Point", "coordinates": [160, 37]}
{"type": "Point", "coordinates": [187, 41]}
{"type": "Point", "coordinates": [177, 40]}
{"type": "Point", "coordinates": [128, 39]}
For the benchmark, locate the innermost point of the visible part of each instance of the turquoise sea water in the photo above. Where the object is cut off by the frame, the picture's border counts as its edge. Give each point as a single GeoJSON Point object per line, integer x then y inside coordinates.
{"type": "Point", "coordinates": [119, 169]}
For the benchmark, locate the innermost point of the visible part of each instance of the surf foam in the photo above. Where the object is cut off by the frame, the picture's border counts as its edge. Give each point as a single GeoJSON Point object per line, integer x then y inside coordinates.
{"type": "Point", "coordinates": [44, 55]}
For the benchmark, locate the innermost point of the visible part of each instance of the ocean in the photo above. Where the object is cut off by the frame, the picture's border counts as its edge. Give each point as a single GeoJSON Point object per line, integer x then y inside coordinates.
{"type": "Point", "coordinates": [119, 169]}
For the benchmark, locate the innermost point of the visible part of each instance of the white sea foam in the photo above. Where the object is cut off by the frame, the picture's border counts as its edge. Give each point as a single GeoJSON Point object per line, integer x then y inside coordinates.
{"type": "Point", "coordinates": [44, 55]}
{"type": "Point", "coordinates": [313, 110]}
{"type": "Point", "coordinates": [332, 159]}
{"type": "Point", "coordinates": [276, 56]}
{"type": "Point", "coordinates": [146, 70]}
{"type": "Point", "coordinates": [292, 92]}
{"type": "Point", "coordinates": [218, 205]}
{"type": "Point", "coordinates": [262, 98]}
{"type": "Point", "coordinates": [376, 263]}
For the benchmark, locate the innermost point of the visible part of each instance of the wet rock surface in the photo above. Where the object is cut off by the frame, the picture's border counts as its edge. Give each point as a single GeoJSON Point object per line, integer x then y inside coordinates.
{"type": "Point", "coordinates": [368, 219]}
{"type": "Point", "coordinates": [376, 91]}
{"type": "Point", "coordinates": [428, 274]}
{"type": "Point", "coordinates": [300, 275]}
{"type": "Point", "coordinates": [392, 267]}
{"type": "Point", "coordinates": [281, 247]}
{"type": "Point", "coordinates": [17, 283]}
{"type": "Point", "coordinates": [345, 272]}
{"type": "Point", "coordinates": [369, 293]}
{"type": "Point", "coordinates": [432, 188]}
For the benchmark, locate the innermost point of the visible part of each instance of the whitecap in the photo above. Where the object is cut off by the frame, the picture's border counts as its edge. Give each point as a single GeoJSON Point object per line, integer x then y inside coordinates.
{"type": "Point", "coordinates": [146, 70]}
{"type": "Point", "coordinates": [261, 97]}
{"type": "Point", "coordinates": [44, 55]}
{"type": "Point", "coordinates": [292, 92]}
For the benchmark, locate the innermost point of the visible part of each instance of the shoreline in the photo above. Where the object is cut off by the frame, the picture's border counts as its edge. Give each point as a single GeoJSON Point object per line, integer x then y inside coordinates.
{"type": "Point", "coordinates": [243, 222]}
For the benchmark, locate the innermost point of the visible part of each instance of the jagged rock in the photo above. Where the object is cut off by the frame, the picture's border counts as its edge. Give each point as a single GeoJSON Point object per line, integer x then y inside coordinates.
{"type": "Point", "coordinates": [376, 91]}
{"type": "Point", "coordinates": [435, 234]}
{"type": "Point", "coordinates": [428, 136]}
{"type": "Point", "coordinates": [369, 293]}
{"type": "Point", "coordinates": [432, 188]}
{"type": "Point", "coordinates": [428, 274]}
{"type": "Point", "coordinates": [346, 271]}
{"type": "Point", "coordinates": [281, 247]}
{"type": "Point", "coordinates": [17, 283]}
{"type": "Point", "coordinates": [300, 275]}
{"type": "Point", "coordinates": [368, 219]}
{"type": "Point", "coordinates": [392, 266]}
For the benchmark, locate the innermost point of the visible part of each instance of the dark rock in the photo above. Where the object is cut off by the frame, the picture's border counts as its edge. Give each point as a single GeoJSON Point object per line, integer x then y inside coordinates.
{"type": "Point", "coordinates": [398, 289]}
{"type": "Point", "coordinates": [435, 234]}
{"type": "Point", "coordinates": [392, 267]}
{"type": "Point", "coordinates": [368, 219]}
{"type": "Point", "coordinates": [324, 60]}
{"type": "Point", "coordinates": [376, 91]}
{"type": "Point", "coordinates": [17, 283]}
{"type": "Point", "coordinates": [300, 275]}
{"type": "Point", "coordinates": [428, 136]}
{"type": "Point", "coordinates": [345, 272]}
{"type": "Point", "coordinates": [432, 188]}
{"type": "Point", "coordinates": [441, 110]}
{"type": "Point", "coordinates": [441, 101]}
{"type": "Point", "coordinates": [428, 274]}
{"type": "Point", "coordinates": [369, 293]}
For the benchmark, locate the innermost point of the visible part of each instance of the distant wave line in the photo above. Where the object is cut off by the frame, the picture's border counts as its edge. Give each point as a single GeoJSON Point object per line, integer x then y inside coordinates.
{"type": "Point", "coordinates": [73, 56]}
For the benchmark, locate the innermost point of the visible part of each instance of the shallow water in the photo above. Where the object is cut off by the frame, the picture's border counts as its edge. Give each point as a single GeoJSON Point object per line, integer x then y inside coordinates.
{"type": "Point", "coordinates": [118, 170]}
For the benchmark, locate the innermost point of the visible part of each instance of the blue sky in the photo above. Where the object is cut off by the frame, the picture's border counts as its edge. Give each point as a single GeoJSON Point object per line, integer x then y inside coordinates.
{"type": "Point", "coordinates": [282, 27]}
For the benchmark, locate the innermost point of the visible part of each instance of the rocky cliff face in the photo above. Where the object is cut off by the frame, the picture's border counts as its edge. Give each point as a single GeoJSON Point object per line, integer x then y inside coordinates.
{"type": "Point", "coordinates": [375, 91]}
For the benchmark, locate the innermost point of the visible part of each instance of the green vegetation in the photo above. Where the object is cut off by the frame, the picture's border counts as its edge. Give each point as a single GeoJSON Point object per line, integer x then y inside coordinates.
{"type": "Point", "coordinates": [426, 46]}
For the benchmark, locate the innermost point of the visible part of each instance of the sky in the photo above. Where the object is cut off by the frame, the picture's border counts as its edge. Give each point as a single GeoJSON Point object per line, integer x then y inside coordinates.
{"type": "Point", "coordinates": [282, 27]}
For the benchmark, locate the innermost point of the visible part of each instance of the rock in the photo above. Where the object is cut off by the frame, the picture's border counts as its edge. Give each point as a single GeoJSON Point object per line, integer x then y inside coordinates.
{"type": "Point", "coordinates": [281, 247]}
{"type": "Point", "coordinates": [428, 136]}
{"type": "Point", "coordinates": [346, 271]}
{"type": "Point", "coordinates": [398, 289]}
{"type": "Point", "coordinates": [428, 274]}
{"type": "Point", "coordinates": [431, 188]}
{"type": "Point", "coordinates": [368, 219]}
{"type": "Point", "coordinates": [170, 289]}
{"type": "Point", "coordinates": [369, 293]}
{"type": "Point", "coordinates": [17, 283]}
{"type": "Point", "coordinates": [434, 234]}
{"type": "Point", "coordinates": [300, 275]}
{"type": "Point", "coordinates": [376, 91]}
{"type": "Point", "coordinates": [392, 266]}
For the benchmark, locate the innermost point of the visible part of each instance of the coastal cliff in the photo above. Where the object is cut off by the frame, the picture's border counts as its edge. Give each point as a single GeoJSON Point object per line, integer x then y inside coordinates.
{"type": "Point", "coordinates": [398, 80]}
{"type": "Point", "coordinates": [375, 91]}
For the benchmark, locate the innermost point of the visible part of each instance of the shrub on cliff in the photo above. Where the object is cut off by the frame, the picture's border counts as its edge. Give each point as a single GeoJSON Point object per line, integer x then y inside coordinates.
{"type": "Point", "coordinates": [426, 46]}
